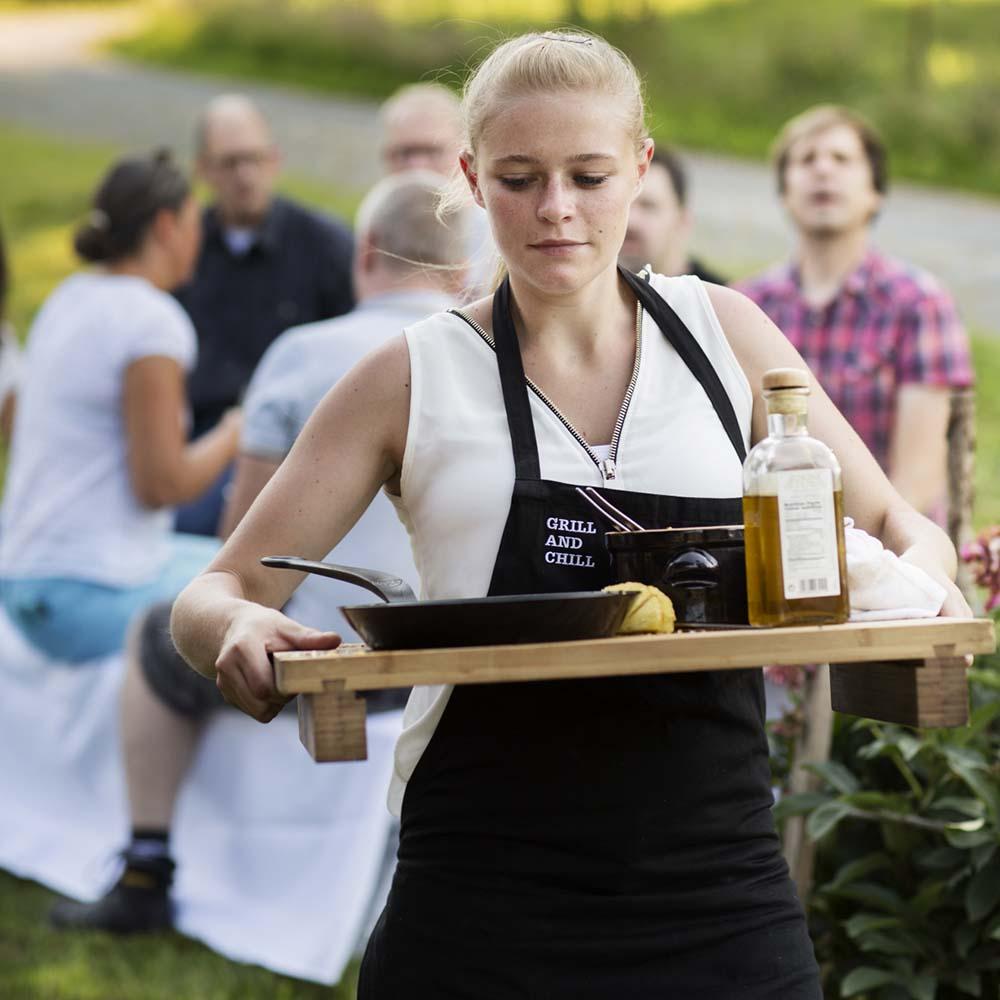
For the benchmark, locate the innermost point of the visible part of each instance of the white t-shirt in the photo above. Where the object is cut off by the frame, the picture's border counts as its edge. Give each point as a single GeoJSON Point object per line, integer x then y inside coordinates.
{"type": "Point", "coordinates": [10, 362]}
{"type": "Point", "coordinates": [293, 376]}
{"type": "Point", "coordinates": [69, 509]}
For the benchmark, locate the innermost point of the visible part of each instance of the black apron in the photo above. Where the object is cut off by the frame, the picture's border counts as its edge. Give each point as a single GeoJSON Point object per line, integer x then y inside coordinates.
{"type": "Point", "coordinates": [593, 839]}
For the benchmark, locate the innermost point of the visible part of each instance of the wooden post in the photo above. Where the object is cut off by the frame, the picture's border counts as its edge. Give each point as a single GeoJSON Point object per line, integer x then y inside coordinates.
{"type": "Point", "coordinates": [961, 478]}
{"type": "Point", "coordinates": [332, 723]}
{"type": "Point", "coordinates": [813, 748]}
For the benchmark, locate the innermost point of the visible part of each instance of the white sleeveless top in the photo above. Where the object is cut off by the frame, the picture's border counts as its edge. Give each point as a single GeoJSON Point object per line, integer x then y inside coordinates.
{"type": "Point", "coordinates": [458, 467]}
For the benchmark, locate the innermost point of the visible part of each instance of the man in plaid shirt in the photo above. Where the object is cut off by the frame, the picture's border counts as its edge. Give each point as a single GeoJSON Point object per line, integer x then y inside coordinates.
{"type": "Point", "coordinates": [883, 338]}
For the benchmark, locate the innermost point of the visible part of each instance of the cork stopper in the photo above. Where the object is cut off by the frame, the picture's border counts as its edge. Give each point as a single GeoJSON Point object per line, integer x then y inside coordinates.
{"type": "Point", "coordinates": [785, 378]}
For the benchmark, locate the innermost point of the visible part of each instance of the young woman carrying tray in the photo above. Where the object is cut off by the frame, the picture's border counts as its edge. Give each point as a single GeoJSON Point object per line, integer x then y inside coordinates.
{"type": "Point", "coordinates": [579, 839]}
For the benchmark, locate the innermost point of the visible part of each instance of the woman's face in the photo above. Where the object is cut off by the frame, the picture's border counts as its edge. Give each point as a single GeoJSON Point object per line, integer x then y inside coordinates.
{"type": "Point", "coordinates": [556, 173]}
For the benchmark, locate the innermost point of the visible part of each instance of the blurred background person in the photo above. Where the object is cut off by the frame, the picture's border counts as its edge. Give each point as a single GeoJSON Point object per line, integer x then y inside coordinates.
{"type": "Point", "coordinates": [10, 353]}
{"type": "Point", "coordinates": [99, 453]}
{"type": "Point", "coordinates": [883, 337]}
{"type": "Point", "coordinates": [266, 263]}
{"type": "Point", "coordinates": [407, 266]}
{"type": "Point", "coordinates": [422, 130]}
{"type": "Point", "coordinates": [660, 222]}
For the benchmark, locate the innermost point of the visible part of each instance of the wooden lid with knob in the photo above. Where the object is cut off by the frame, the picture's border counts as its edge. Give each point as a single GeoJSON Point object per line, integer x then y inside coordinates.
{"type": "Point", "coordinates": [785, 378]}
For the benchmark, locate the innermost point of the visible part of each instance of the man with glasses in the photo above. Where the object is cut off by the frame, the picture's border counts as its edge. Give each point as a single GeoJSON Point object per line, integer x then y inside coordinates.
{"type": "Point", "coordinates": [266, 264]}
{"type": "Point", "coordinates": [422, 130]}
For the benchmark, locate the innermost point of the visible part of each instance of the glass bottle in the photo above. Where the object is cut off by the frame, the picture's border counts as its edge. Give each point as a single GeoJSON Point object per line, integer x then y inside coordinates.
{"type": "Point", "coordinates": [793, 516]}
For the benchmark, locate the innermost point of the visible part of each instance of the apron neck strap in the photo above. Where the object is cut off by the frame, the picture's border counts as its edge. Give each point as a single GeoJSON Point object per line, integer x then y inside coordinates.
{"type": "Point", "coordinates": [515, 386]}
{"type": "Point", "coordinates": [691, 353]}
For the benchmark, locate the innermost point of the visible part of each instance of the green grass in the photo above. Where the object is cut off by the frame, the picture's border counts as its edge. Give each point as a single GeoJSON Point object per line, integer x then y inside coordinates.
{"type": "Point", "coordinates": [37, 963]}
{"type": "Point", "coordinates": [986, 353]}
{"type": "Point", "coordinates": [720, 76]}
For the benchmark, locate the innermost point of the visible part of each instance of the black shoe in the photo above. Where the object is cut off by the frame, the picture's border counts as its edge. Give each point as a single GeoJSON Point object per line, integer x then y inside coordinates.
{"type": "Point", "coordinates": [139, 903]}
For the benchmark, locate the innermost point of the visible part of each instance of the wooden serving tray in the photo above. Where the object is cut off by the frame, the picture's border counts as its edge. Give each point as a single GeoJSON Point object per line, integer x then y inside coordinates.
{"type": "Point", "coordinates": [911, 672]}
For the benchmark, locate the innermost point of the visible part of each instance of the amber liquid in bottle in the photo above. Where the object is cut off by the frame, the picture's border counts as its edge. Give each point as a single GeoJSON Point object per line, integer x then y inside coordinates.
{"type": "Point", "coordinates": [766, 602]}
{"type": "Point", "coordinates": [793, 514]}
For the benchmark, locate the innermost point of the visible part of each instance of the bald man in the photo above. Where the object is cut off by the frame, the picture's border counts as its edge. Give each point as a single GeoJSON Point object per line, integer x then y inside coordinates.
{"type": "Point", "coordinates": [266, 264]}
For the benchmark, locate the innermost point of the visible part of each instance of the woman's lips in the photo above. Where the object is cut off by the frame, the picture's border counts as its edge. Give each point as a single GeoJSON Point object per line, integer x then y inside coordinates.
{"type": "Point", "coordinates": [556, 248]}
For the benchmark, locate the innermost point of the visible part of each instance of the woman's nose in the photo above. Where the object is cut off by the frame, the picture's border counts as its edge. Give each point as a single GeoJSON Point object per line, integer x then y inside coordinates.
{"type": "Point", "coordinates": [556, 203]}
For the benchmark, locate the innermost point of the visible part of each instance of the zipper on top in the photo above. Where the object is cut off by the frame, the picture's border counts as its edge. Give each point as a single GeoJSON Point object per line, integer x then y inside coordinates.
{"type": "Point", "coordinates": [607, 467]}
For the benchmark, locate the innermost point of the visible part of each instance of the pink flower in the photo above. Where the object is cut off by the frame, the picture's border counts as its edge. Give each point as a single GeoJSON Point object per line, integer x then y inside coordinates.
{"type": "Point", "coordinates": [983, 557]}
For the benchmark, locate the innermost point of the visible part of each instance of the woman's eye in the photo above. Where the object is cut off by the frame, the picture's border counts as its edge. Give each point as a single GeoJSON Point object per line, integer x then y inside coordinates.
{"type": "Point", "coordinates": [515, 183]}
{"type": "Point", "coordinates": [591, 180]}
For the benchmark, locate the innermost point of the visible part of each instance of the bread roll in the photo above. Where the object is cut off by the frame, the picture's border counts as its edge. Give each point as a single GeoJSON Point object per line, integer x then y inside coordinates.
{"type": "Point", "coordinates": [651, 611]}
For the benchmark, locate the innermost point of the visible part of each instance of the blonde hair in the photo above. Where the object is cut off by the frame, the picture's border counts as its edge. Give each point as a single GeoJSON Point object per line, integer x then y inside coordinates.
{"type": "Point", "coordinates": [545, 62]}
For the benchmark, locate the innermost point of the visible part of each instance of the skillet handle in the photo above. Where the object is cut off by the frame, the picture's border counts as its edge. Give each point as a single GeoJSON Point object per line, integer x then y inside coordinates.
{"type": "Point", "coordinates": [389, 588]}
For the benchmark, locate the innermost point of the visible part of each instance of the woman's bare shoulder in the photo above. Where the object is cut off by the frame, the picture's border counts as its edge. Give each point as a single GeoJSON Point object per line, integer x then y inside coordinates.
{"type": "Point", "coordinates": [481, 312]}
{"type": "Point", "coordinates": [733, 308]}
{"type": "Point", "coordinates": [382, 375]}
{"type": "Point", "coordinates": [757, 343]}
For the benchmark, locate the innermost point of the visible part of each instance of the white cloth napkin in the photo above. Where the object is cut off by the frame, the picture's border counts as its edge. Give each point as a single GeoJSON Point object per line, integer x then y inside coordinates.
{"type": "Point", "coordinates": [882, 586]}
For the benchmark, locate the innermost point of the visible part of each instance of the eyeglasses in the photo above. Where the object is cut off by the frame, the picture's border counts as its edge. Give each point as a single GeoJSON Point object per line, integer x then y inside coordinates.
{"type": "Point", "coordinates": [400, 155]}
{"type": "Point", "coordinates": [231, 162]}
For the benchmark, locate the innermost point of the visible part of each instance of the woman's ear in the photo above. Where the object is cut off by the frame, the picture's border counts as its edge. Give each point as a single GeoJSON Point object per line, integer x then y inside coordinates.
{"type": "Point", "coordinates": [164, 226]}
{"type": "Point", "coordinates": [466, 162]}
{"type": "Point", "coordinates": [645, 158]}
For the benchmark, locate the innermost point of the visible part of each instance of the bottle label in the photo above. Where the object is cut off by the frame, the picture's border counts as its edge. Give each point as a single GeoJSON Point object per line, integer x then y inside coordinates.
{"type": "Point", "coordinates": [806, 521]}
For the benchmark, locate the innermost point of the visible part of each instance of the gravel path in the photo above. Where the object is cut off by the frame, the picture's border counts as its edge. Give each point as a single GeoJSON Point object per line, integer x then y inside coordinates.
{"type": "Point", "coordinates": [49, 80]}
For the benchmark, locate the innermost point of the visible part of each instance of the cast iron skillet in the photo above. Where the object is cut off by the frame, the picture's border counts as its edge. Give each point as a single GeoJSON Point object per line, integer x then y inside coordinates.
{"type": "Point", "coordinates": [404, 622]}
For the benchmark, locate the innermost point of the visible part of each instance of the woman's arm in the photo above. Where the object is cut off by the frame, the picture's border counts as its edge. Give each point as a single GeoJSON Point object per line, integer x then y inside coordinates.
{"type": "Point", "coordinates": [869, 497]}
{"type": "Point", "coordinates": [224, 622]}
{"type": "Point", "coordinates": [164, 469]}
{"type": "Point", "coordinates": [251, 475]}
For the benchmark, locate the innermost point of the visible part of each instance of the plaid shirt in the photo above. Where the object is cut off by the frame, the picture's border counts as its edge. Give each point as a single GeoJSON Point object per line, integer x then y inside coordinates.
{"type": "Point", "coordinates": [890, 325]}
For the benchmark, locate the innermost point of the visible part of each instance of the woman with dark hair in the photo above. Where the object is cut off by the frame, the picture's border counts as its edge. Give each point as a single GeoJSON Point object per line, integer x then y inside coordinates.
{"type": "Point", "coordinates": [10, 353]}
{"type": "Point", "coordinates": [99, 452]}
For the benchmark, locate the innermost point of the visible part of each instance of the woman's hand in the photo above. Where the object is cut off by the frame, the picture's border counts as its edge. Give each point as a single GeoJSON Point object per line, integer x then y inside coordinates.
{"type": "Point", "coordinates": [244, 673]}
{"type": "Point", "coordinates": [955, 605]}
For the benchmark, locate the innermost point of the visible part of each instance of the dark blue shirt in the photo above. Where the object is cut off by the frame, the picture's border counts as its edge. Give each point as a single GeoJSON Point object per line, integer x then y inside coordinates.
{"type": "Point", "coordinates": [298, 270]}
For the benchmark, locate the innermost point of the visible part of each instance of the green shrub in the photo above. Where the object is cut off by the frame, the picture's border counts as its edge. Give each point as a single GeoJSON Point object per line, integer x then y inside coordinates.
{"type": "Point", "coordinates": [906, 901]}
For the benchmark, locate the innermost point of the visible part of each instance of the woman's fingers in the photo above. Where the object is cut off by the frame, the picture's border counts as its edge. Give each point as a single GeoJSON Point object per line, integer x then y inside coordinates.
{"type": "Point", "coordinates": [244, 672]}
{"type": "Point", "coordinates": [236, 691]}
{"type": "Point", "coordinates": [303, 637]}
{"type": "Point", "coordinates": [955, 604]}
{"type": "Point", "coordinates": [245, 677]}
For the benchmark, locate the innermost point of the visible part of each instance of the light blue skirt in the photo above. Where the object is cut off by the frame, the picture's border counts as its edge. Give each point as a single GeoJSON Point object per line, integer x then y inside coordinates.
{"type": "Point", "coordinates": [75, 620]}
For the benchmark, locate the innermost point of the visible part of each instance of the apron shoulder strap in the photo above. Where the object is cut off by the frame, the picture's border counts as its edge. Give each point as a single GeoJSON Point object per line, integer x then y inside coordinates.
{"type": "Point", "coordinates": [515, 388]}
{"type": "Point", "coordinates": [691, 353]}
